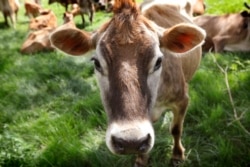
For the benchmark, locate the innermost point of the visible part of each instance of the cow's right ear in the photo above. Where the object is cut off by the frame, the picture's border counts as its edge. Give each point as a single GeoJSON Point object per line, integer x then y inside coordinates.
{"type": "Point", "coordinates": [72, 41]}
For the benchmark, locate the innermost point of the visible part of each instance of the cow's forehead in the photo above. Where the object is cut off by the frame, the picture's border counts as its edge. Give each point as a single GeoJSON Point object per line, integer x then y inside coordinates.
{"type": "Point", "coordinates": [134, 41]}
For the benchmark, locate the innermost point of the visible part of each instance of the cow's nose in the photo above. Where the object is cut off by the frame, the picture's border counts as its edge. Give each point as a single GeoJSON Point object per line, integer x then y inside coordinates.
{"type": "Point", "coordinates": [131, 146]}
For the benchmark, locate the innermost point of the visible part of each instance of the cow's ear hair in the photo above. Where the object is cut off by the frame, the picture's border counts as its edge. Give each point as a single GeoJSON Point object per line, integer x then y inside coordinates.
{"type": "Point", "coordinates": [182, 38]}
{"type": "Point", "coordinates": [71, 41]}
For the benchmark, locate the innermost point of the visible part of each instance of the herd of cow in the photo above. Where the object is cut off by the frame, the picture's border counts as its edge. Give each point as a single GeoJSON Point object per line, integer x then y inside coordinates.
{"type": "Point", "coordinates": [145, 56]}
{"type": "Point", "coordinates": [234, 36]}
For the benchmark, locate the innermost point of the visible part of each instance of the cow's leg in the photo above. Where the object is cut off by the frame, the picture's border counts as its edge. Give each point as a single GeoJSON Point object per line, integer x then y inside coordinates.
{"type": "Point", "coordinates": [13, 19]}
{"type": "Point", "coordinates": [91, 13]}
{"type": "Point", "coordinates": [66, 6]}
{"type": "Point", "coordinates": [5, 15]}
{"type": "Point", "coordinates": [179, 112]}
{"type": "Point", "coordinates": [83, 20]}
{"type": "Point", "coordinates": [220, 42]}
{"type": "Point", "coordinates": [16, 16]}
{"type": "Point", "coordinates": [141, 160]}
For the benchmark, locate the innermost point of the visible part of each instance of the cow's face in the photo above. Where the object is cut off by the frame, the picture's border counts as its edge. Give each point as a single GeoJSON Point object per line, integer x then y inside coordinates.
{"type": "Point", "coordinates": [37, 24]}
{"type": "Point", "coordinates": [128, 64]}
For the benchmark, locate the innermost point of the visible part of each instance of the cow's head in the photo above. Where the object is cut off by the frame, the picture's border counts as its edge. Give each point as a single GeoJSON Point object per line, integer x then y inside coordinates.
{"type": "Point", "coordinates": [128, 64]}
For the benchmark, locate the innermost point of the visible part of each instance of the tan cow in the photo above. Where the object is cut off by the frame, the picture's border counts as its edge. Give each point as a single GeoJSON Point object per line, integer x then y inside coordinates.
{"type": "Point", "coordinates": [187, 7]}
{"type": "Point", "coordinates": [230, 32]}
{"type": "Point", "coordinates": [9, 8]}
{"type": "Point", "coordinates": [68, 21]}
{"type": "Point", "coordinates": [32, 9]}
{"type": "Point", "coordinates": [37, 41]}
{"type": "Point", "coordinates": [46, 19]}
{"type": "Point", "coordinates": [140, 72]}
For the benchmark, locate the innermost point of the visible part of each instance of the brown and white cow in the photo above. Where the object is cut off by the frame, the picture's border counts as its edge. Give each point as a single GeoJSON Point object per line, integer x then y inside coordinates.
{"type": "Point", "coordinates": [9, 8]}
{"type": "Point", "coordinates": [141, 72]}
{"type": "Point", "coordinates": [228, 32]}
{"type": "Point", "coordinates": [32, 9]}
{"type": "Point", "coordinates": [46, 19]}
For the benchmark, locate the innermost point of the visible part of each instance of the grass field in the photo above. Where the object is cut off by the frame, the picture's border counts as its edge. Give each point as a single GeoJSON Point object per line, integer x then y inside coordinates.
{"type": "Point", "coordinates": [51, 113]}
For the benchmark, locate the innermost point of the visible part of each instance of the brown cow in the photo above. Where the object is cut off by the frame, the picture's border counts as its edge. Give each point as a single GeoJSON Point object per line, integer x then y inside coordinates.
{"type": "Point", "coordinates": [37, 41]}
{"type": "Point", "coordinates": [140, 72]}
{"type": "Point", "coordinates": [230, 32]}
{"type": "Point", "coordinates": [32, 9]}
{"type": "Point", "coordinates": [9, 8]}
{"type": "Point", "coordinates": [46, 19]}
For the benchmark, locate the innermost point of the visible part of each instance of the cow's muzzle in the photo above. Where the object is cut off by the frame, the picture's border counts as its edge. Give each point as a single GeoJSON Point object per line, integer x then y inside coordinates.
{"type": "Point", "coordinates": [130, 138]}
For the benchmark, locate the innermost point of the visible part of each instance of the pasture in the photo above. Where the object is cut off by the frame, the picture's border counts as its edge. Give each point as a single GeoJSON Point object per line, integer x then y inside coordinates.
{"type": "Point", "coordinates": [51, 114]}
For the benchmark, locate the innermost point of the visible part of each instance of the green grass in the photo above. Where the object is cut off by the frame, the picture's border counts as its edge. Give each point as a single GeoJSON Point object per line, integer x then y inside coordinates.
{"type": "Point", "coordinates": [51, 113]}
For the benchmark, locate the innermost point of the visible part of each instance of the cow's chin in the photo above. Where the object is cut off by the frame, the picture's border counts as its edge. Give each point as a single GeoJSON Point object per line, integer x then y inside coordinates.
{"type": "Point", "coordinates": [130, 137]}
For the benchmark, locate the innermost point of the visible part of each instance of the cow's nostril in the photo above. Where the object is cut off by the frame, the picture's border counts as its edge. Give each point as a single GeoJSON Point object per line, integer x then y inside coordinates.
{"type": "Point", "coordinates": [145, 143]}
{"type": "Point", "coordinates": [118, 144]}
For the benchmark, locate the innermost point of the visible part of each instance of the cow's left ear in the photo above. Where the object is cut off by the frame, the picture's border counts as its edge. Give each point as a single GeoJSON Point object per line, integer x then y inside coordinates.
{"type": "Point", "coordinates": [182, 38]}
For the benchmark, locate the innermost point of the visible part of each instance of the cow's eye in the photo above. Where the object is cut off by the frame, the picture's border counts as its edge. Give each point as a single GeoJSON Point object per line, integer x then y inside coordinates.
{"type": "Point", "coordinates": [97, 64]}
{"type": "Point", "coordinates": [158, 64]}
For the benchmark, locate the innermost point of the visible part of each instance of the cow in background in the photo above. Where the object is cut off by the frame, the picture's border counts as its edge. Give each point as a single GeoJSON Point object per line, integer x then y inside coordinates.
{"type": "Point", "coordinates": [46, 19]}
{"type": "Point", "coordinates": [10, 9]}
{"type": "Point", "coordinates": [38, 2]}
{"type": "Point", "coordinates": [37, 41]}
{"type": "Point", "coordinates": [68, 20]}
{"type": "Point", "coordinates": [32, 9]}
{"type": "Point", "coordinates": [84, 7]}
{"type": "Point", "coordinates": [186, 7]}
{"type": "Point", "coordinates": [106, 5]}
{"type": "Point", "coordinates": [228, 32]}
